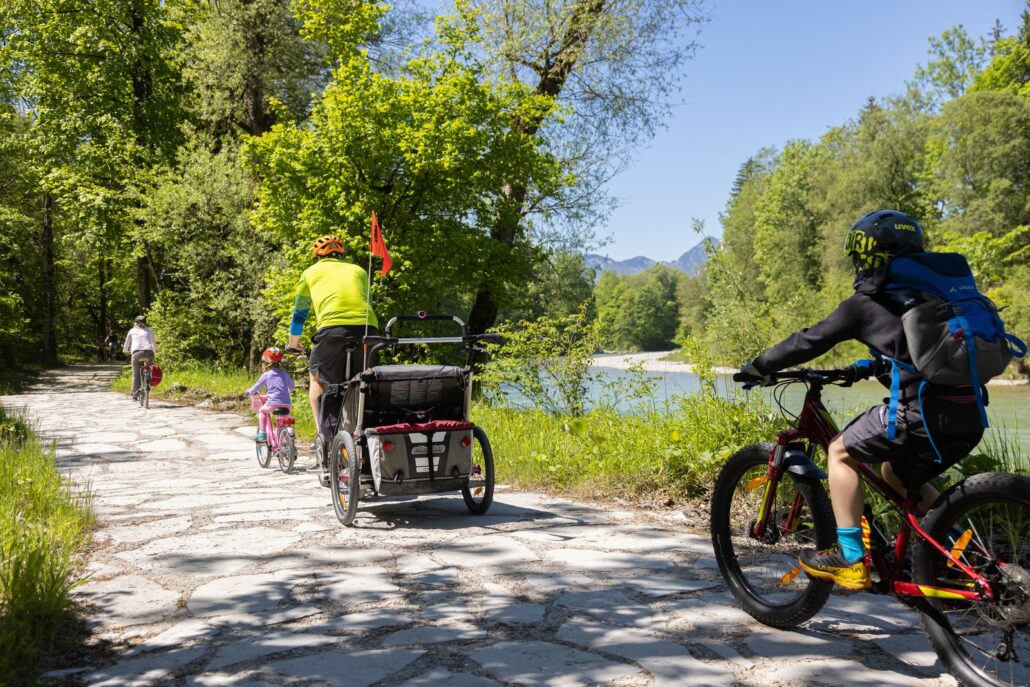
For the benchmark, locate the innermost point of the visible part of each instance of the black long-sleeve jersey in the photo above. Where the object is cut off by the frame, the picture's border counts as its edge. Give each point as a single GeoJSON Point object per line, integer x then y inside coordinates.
{"type": "Point", "coordinates": [870, 316]}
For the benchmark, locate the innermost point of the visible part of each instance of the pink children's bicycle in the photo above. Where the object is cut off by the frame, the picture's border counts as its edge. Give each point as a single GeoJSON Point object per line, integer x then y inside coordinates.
{"type": "Point", "coordinates": [280, 440]}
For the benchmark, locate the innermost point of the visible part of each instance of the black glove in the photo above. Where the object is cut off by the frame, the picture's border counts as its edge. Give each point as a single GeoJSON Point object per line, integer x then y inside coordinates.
{"type": "Point", "coordinates": [860, 369]}
{"type": "Point", "coordinates": [749, 374]}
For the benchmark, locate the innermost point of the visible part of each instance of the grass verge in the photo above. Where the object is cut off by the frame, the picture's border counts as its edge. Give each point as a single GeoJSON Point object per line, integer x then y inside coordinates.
{"type": "Point", "coordinates": [650, 457]}
{"type": "Point", "coordinates": [44, 526]}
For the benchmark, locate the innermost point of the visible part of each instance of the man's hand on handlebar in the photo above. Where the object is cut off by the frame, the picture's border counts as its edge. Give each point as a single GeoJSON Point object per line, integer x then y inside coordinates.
{"type": "Point", "coordinates": [749, 374]}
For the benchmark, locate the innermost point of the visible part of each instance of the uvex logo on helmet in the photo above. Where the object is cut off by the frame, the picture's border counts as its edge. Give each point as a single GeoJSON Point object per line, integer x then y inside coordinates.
{"type": "Point", "coordinates": [877, 237]}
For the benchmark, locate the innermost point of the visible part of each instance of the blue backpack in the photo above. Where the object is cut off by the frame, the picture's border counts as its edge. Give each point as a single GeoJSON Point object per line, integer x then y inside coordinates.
{"type": "Point", "coordinates": [955, 336]}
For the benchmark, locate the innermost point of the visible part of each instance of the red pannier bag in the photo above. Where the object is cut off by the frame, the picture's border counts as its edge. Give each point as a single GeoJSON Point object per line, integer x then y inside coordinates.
{"type": "Point", "coordinates": [155, 375]}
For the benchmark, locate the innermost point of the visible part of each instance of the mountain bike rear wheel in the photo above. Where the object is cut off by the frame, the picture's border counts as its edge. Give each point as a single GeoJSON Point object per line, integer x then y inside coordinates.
{"type": "Point", "coordinates": [287, 452]}
{"type": "Point", "coordinates": [986, 519]}
{"type": "Point", "coordinates": [344, 480]}
{"type": "Point", "coordinates": [762, 572]}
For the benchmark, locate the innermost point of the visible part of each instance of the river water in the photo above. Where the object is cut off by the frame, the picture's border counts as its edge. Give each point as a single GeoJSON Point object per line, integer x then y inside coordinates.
{"type": "Point", "coordinates": [1008, 411]}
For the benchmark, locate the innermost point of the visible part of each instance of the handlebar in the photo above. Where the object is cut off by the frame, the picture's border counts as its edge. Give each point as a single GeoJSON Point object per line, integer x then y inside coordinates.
{"type": "Point", "coordinates": [486, 337]}
{"type": "Point", "coordinates": [841, 377]}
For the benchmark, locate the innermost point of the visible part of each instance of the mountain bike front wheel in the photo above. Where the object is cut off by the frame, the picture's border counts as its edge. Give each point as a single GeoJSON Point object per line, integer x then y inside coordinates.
{"type": "Point", "coordinates": [986, 522]}
{"type": "Point", "coordinates": [762, 571]}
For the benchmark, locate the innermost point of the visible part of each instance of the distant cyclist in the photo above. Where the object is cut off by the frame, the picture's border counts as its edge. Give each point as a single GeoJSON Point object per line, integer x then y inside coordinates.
{"type": "Point", "coordinates": [140, 344]}
{"type": "Point", "coordinates": [873, 316]}
{"type": "Point", "coordinates": [337, 290]}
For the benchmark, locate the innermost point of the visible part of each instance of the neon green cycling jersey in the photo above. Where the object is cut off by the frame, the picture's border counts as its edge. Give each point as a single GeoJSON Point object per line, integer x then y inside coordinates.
{"type": "Point", "coordinates": [338, 292]}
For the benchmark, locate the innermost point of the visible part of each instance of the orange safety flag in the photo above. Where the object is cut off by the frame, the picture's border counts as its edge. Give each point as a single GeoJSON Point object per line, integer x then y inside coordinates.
{"type": "Point", "coordinates": [379, 246]}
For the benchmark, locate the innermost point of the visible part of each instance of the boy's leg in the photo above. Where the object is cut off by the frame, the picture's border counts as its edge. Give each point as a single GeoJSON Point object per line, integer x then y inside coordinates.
{"type": "Point", "coordinates": [927, 493]}
{"type": "Point", "coordinates": [845, 563]}
{"type": "Point", "coordinates": [845, 485]}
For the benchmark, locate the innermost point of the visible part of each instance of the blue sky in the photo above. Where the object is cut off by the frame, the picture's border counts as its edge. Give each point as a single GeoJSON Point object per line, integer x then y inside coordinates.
{"type": "Point", "coordinates": [769, 72]}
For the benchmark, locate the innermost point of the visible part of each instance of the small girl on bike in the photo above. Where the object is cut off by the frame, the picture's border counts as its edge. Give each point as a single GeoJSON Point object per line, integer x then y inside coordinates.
{"type": "Point", "coordinates": [278, 387]}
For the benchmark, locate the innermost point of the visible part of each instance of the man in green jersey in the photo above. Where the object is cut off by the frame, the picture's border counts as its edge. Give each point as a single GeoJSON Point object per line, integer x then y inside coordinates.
{"type": "Point", "coordinates": [338, 292]}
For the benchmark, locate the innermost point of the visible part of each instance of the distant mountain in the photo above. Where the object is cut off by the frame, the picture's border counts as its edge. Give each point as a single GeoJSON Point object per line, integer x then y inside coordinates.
{"type": "Point", "coordinates": [690, 262]}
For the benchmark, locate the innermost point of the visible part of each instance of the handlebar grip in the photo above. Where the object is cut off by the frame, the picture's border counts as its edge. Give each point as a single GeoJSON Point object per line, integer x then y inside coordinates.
{"type": "Point", "coordinates": [490, 337]}
{"type": "Point", "coordinates": [742, 378]}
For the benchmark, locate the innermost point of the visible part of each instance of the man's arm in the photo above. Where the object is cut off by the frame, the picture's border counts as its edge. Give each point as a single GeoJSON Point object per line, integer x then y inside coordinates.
{"type": "Point", "coordinates": [125, 346]}
{"type": "Point", "coordinates": [301, 308]}
{"type": "Point", "coordinates": [153, 341]}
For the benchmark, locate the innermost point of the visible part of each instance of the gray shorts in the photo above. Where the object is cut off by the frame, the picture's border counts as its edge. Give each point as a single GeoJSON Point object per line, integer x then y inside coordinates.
{"type": "Point", "coordinates": [953, 423]}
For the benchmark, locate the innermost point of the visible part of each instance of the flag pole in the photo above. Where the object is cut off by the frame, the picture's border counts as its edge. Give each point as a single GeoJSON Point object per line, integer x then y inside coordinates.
{"type": "Point", "coordinates": [368, 292]}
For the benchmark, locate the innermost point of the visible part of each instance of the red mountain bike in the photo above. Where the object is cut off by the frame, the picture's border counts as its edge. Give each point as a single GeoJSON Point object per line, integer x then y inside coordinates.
{"type": "Point", "coordinates": [964, 565]}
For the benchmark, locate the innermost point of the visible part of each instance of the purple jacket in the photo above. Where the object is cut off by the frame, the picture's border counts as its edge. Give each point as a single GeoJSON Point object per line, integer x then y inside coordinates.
{"type": "Point", "coordinates": [278, 385]}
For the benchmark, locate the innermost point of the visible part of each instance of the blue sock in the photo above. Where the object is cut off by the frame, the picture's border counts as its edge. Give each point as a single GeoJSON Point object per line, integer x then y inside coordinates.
{"type": "Point", "coordinates": [850, 539]}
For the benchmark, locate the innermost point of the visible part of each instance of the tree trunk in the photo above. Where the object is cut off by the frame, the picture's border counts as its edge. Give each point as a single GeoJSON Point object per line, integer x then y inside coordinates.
{"type": "Point", "coordinates": [554, 72]}
{"type": "Point", "coordinates": [102, 298]}
{"type": "Point", "coordinates": [142, 284]}
{"type": "Point", "coordinates": [49, 284]}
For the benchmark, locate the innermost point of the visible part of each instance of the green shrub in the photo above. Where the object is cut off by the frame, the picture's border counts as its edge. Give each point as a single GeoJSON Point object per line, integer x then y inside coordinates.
{"type": "Point", "coordinates": [44, 526]}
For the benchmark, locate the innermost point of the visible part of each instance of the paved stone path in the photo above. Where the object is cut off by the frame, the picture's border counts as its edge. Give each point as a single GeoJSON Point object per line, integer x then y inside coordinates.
{"type": "Point", "coordinates": [209, 570]}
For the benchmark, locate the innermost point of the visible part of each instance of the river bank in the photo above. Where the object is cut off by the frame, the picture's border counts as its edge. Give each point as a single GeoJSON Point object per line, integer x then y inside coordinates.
{"type": "Point", "coordinates": [653, 361]}
{"type": "Point", "coordinates": [658, 361]}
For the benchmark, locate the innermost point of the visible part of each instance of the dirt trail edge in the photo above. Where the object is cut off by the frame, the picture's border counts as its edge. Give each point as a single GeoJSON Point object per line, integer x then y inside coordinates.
{"type": "Point", "coordinates": [209, 570]}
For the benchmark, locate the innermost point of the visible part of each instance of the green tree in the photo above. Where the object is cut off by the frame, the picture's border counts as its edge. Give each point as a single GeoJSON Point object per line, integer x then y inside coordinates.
{"type": "Point", "coordinates": [428, 147]}
{"type": "Point", "coordinates": [609, 69]}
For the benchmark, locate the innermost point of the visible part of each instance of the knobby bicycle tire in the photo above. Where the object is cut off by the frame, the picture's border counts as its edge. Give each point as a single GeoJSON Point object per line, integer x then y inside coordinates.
{"type": "Point", "coordinates": [969, 636]}
{"type": "Point", "coordinates": [763, 575]}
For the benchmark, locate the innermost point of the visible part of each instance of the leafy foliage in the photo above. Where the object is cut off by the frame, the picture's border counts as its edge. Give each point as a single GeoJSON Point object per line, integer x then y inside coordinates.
{"type": "Point", "coordinates": [952, 152]}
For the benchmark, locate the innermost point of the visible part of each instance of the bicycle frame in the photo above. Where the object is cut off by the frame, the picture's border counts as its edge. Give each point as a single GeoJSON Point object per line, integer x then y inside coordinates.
{"type": "Point", "coordinates": [816, 426]}
{"type": "Point", "coordinates": [277, 423]}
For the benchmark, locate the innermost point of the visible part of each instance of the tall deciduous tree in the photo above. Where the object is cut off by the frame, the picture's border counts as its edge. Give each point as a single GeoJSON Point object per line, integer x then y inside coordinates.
{"type": "Point", "coordinates": [610, 66]}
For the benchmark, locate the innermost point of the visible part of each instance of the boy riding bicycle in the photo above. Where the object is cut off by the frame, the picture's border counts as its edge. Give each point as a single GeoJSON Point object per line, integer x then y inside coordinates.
{"type": "Point", "coordinates": [932, 433]}
{"type": "Point", "coordinates": [278, 387]}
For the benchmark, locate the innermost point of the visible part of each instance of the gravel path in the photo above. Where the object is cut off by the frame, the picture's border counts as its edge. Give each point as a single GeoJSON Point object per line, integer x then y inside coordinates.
{"type": "Point", "coordinates": [209, 570]}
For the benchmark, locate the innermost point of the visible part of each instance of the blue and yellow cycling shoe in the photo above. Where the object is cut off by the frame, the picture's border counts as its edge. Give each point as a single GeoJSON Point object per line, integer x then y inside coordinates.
{"type": "Point", "coordinates": [829, 564]}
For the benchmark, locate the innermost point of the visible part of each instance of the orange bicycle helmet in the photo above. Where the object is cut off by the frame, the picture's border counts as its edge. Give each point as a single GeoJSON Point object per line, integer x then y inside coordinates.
{"type": "Point", "coordinates": [272, 354]}
{"type": "Point", "coordinates": [327, 245]}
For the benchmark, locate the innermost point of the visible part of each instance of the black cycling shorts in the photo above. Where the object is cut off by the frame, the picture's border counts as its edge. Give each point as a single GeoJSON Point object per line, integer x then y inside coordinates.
{"type": "Point", "coordinates": [954, 426]}
{"type": "Point", "coordinates": [329, 352]}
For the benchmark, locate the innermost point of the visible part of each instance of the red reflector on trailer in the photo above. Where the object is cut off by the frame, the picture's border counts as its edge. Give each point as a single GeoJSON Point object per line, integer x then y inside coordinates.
{"type": "Point", "coordinates": [466, 441]}
{"type": "Point", "coordinates": [388, 446]}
